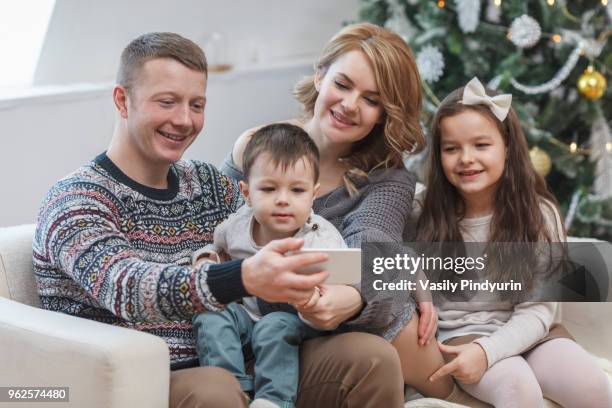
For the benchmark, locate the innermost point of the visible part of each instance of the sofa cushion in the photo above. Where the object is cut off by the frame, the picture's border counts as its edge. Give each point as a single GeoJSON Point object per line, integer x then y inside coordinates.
{"type": "Point", "coordinates": [16, 269]}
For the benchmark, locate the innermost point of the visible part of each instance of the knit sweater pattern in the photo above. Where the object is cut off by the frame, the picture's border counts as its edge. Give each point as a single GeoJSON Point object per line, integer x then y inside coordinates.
{"type": "Point", "coordinates": [109, 249]}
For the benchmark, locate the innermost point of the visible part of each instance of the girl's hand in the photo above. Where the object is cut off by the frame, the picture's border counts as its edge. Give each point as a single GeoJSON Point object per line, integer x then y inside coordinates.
{"type": "Point", "coordinates": [468, 366]}
{"type": "Point", "coordinates": [336, 304]}
{"type": "Point", "coordinates": [428, 322]}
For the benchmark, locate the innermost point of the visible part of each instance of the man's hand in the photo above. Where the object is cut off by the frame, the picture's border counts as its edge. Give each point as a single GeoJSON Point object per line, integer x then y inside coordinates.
{"type": "Point", "coordinates": [468, 366]}
{"type": "Point", "coordinates": [271, 276]}
{"type": "Point", "coordinates": [428, 322]}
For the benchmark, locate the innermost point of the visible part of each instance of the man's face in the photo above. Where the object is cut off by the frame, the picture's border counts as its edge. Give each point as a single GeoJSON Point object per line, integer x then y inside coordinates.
{"type": "Point", "coordinates": [165, 111]}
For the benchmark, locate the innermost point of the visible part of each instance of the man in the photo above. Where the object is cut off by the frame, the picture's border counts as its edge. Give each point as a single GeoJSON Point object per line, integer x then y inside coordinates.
{"type": "Point", "coordinates": [114, 240]}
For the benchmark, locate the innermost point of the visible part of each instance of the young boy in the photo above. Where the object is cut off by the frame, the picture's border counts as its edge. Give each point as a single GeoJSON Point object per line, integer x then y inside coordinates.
{"type": "Point", "coordinates": [281, 166]}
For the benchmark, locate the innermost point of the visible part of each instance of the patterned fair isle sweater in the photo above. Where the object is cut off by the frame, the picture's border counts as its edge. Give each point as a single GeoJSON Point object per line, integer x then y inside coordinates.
{"type": "Point", "coordinates": [110, 249]}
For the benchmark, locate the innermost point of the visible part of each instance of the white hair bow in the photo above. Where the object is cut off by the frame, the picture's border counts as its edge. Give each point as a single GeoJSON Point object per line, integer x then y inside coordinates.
{"type": "Point", "coordinates": [474, 94]}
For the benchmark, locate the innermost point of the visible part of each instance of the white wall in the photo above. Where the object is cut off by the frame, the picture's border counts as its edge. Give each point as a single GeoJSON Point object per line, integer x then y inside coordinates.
{"type": "Point", "coordinates": [85, 37]}
{"type": "Point", "coordinates": [45, 138]}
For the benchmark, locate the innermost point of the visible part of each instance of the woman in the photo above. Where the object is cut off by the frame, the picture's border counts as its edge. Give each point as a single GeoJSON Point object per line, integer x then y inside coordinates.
{"type": "Point", "coordinates": [361, 108]}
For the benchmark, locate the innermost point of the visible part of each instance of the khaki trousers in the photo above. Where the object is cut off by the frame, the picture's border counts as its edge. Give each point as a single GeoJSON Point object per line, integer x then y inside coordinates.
{"type": "Point", "coordinates": [350, 370]}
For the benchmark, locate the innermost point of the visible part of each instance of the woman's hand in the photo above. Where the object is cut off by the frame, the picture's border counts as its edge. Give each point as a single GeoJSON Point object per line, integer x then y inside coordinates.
{"type": "Point", "coordinates": [428, 317]}
{"type": "Point", "coordinates": [336, 304]}
{"type": "Point", "coordinates": [468, 366]}
{"type": "Point", "coordinates": [428, 322]}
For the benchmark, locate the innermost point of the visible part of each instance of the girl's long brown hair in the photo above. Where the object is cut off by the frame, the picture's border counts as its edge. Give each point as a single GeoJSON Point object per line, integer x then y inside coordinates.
{"type": "Point", "coordinates": [519, 202]}
{"type": "Point", "coordinates": [521, 192]}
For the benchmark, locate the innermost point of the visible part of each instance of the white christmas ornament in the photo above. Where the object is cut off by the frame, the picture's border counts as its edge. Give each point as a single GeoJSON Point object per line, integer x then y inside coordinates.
{"type": "Point", "coordinates": [398, 21]}
{"type": "Point", "coordinates": [468, 13]}
{"type": "Point", "coordinates": [430, 62]}
{"type": "Point", "coordinates": [525, 31]}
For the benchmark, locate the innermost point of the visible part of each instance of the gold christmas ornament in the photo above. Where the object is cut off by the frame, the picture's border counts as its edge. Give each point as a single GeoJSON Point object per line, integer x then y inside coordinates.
{"type": "Point", "coordinates": [592, 84]}
{"type": "Point", "coordinates": [541, 161]}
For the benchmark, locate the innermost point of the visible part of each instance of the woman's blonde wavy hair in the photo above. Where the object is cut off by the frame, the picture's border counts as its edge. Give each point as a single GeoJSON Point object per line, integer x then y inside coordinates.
{"type": "Point", "coordinates": [399, 85]}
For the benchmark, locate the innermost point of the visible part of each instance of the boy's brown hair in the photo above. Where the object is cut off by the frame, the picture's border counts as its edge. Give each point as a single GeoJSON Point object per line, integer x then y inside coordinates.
{"type": "Point", "coordinates": [285, 143]}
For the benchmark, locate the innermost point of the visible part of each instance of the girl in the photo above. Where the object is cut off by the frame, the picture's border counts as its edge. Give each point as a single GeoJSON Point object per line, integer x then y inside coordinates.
{"type": "Point", "coordinates": [361, 108]}
{"type": "Point", "coordinates": [482, 187]}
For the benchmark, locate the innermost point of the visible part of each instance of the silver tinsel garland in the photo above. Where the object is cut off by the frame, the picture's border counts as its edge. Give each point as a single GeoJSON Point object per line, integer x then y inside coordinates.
{"type": "Point", "coordinates": [601, 138]}
{"type": "Point", "coordinates": [571, 212]}
{"type": "Point", "coordinates": [559, 77]}
{"type": "Point", "coordinates": [494, 83]}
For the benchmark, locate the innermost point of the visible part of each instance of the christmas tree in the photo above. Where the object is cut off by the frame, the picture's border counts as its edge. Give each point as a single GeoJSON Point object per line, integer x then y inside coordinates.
{"type": "Point", "coordinates": [552, 56]}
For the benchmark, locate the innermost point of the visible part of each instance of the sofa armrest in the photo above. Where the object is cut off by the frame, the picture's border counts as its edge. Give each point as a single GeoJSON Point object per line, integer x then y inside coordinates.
{"type": "Point", "coordinates": [587, 323]}
{"type": "Point", "coordinates": [103, 365]}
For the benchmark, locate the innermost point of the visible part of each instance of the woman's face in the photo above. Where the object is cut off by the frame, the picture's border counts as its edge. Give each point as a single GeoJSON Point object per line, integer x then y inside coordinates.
{"type": "Point", "coordinates": [348, 106]}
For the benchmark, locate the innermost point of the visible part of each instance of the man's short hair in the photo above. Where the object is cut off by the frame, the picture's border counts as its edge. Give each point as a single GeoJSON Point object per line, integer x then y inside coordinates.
{"type": "Point", "coordinates": [285, 143]}
{"type": "Point", "coordinates": [158, 45]}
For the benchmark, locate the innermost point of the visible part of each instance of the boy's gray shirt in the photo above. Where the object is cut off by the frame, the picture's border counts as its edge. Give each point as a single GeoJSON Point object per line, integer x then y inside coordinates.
{"type": "Point", "coordinates": [234, 236]}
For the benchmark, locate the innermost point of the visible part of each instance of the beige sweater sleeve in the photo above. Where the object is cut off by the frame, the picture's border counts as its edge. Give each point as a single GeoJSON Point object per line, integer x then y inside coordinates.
{"type": "Point", "coordinates": [530, 321]}
{"type": "Point", "coordinates": [528, 324]}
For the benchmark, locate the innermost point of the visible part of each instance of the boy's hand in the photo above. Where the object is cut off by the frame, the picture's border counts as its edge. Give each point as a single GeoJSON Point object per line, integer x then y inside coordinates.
{"type": "Point", "coordinates": [316, 295]}
{"type": "Point", "coordinates": [468, 366]}
{"type": "Point", "coordinates": [337, 304]}
{"type": "Point", "coordinates": [208, 257]}
{"type": "Point", "coordinates": [223, 256]}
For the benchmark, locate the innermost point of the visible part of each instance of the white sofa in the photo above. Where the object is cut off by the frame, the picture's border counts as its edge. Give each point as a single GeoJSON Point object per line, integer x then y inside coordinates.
{"type": "Point", "coordinates": [112, 367]}
{"type": "Point", "coordinates": [104, 366]}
